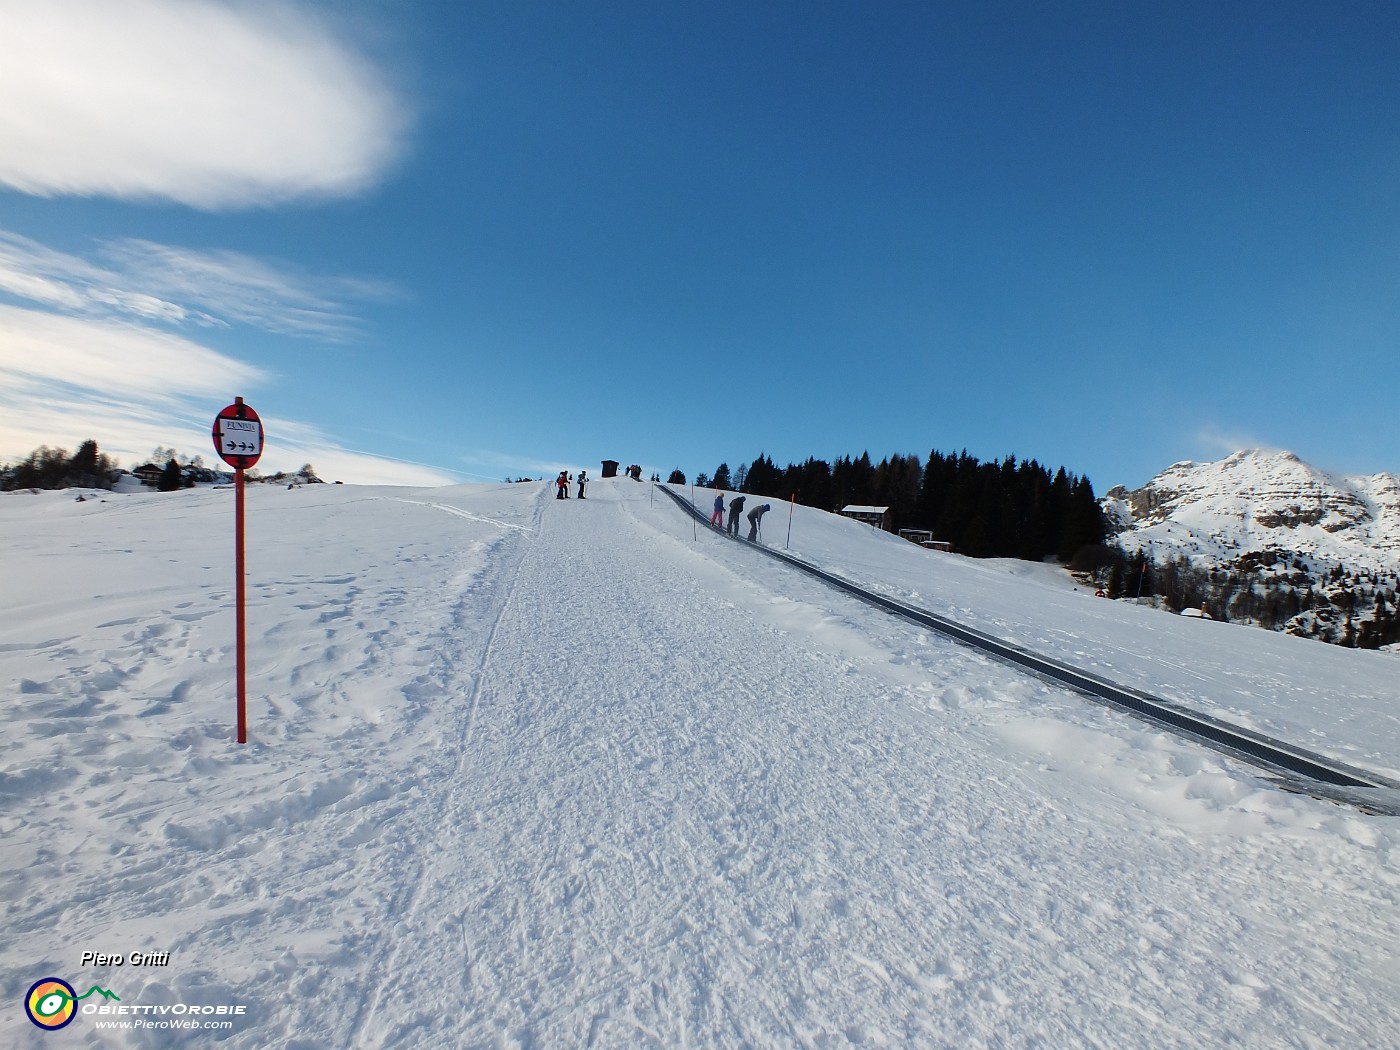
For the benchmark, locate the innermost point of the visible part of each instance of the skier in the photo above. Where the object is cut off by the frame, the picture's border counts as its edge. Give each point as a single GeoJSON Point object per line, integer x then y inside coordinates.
{"type": "Point", "coordinates": [582, 480]}
{"type": "Point", "coordinates": [717, 518]}
{"type": "Point", "coordinates": [736, 507]}
{"type": "Point", "coordinates": [563, 482]}
{"type": "Point", "coordinates": [756, 520]}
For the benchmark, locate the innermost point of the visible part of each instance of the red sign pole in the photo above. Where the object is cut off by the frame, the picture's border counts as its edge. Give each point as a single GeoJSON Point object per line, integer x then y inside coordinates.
{"type": "Point", "coordinates": [239, 593]}
{"type": "Point", "coordinates": [238, 438]}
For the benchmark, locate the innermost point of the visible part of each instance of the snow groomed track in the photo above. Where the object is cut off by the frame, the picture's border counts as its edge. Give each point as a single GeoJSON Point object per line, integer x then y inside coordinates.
{"type": "Point", "coordinates": [1296, 769]}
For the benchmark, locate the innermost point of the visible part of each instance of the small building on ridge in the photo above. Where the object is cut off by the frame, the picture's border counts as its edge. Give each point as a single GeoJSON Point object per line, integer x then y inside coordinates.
{"type": "Point", "coordinates": [876, 516]}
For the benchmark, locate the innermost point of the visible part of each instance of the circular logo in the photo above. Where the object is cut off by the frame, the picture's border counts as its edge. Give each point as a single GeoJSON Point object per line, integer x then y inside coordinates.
{"type": "Point", "coordinates": [51, 1003]}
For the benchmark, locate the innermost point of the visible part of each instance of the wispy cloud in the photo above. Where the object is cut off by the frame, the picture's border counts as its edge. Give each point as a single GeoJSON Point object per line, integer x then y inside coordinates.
{"type": "Point", "coordinates": [29, 270]}
{"type": "Point", "coordinates": [66, 379]}
{"type": "Point", "coordinates": [1219, 442]}
{"type": "Point", "coordinates": [214, 105]}
{"type": "Point", "coordinates": [302, 443]}
{"type": "Point", "coordinates": [119, 359]}
{"type": "Point", "coordinates": [126, 429]}
{"type": "Point", "coordinates": [505, 464]}
{"type": "Point", "coordinates": [97, 353]}
{"type": "Point", "coordinates": [232, 287]}
{"type": "Point", "coordinates": [145, 281]}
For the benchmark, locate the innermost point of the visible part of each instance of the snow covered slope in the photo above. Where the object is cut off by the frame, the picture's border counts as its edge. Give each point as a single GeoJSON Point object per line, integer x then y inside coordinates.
{"type": "Point", "coordinates": [527, 772]}
{"type": "Point", "coordinates": [1257, 500]}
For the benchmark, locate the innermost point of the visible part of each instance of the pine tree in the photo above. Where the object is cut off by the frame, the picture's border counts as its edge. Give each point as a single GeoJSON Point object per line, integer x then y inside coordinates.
{"type": "Point", "coordinates": [933, 487]}
{"type": "Point", "coordinates": [171, 477]}
{"type": "Point", "coordinates": [763, 478]}
{"type": "Point", "coordinates": [1033, 495]}
{"type": "Point", "coordinates": [85, 462]}
{"type": "Point", "coordinates": [897, 486]}
{"type": "Point", "coordinates": [1083, 520]}
{"type": "Point", "coordinates": [852, 482]}
{"type": "Point", "coordinates": [811, 484]}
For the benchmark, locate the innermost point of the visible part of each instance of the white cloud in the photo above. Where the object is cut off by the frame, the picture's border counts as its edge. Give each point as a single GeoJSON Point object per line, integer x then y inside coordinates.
{"type": "Point", "coordinates": [64, 380]}
{"type": "Point", "coordinates": [124, 429]}
{"type": "Point", "coordinates": [84, 360]}
{"type": "Point", "coordinates": [238, 288]}
{"type": "Point", "coordinates": [298, 443]}
{"type": "Point", "coordinates": [214, 105]}
{"type": "Point", "coordinates": [31, 271]}
{"type": "Point", "coordinates": [115, 358]}
{"type": "Point", "coordinates": [129, 430]}
{"type": "Point", "coordinates": [504, 463]}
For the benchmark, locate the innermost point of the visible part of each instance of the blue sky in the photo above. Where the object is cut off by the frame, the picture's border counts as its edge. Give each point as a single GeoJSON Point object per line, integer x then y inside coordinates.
{"type": "Point", "coordinates": [459, 242]}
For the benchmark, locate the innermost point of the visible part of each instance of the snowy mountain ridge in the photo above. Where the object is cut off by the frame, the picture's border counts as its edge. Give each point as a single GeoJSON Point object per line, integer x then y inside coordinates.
{"type": "Point", "coordinates": [1258, 500]}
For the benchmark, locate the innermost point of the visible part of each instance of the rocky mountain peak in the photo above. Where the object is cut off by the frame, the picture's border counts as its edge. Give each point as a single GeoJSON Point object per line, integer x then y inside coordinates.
{"type": "Point", "coordinates": [1263, 537]}
{"type": "Point", "coordinates": [1256, 500]}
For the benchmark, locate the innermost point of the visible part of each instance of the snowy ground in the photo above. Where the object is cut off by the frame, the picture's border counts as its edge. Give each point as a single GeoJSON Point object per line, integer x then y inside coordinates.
{"type": "Point", "coordinates": [534, 773]}
{"type": "Point", "coordinates": [1335, 701]}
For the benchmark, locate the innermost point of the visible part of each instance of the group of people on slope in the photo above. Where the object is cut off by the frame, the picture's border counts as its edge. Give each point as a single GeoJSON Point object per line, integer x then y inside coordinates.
{"type": "Point", "coordinates": [562, 481]}
{"type": "Point", "coordinates": [736, 507]}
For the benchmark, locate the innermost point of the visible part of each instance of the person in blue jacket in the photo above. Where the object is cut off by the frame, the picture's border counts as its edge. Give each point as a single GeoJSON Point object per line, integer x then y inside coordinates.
{"type": "Point", "coordinates": [717, 517]}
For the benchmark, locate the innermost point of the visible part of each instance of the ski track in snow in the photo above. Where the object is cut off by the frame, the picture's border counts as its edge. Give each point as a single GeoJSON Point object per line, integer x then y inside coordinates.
{"type": "Point", "coordinates": [586, 781]}
{"type": "Point", "coordinates": [444, 830]}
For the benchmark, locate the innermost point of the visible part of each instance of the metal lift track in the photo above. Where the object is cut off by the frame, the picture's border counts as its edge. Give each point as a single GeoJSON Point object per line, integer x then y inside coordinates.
{"type": "Point", "coordinates": [1294, 768]}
